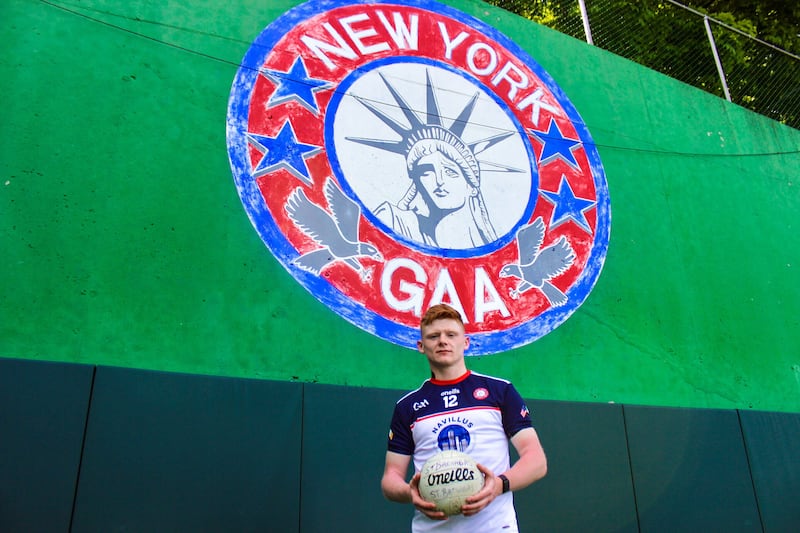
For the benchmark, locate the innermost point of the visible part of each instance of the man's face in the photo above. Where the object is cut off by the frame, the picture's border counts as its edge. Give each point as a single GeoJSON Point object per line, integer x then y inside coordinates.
{"type": "Point", "coordinates": [443, 342]}
{"type": "Point", "coordinates": [443, 181]}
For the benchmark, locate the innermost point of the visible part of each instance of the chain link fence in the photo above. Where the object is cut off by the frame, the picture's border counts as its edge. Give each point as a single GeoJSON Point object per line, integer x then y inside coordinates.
{"type": "Point", "coordinates": [682, 43]}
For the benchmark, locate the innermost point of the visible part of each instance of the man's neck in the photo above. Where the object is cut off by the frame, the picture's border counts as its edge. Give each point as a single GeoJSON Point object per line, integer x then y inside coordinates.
{"type": "Point", "coordinates": [449, 373]}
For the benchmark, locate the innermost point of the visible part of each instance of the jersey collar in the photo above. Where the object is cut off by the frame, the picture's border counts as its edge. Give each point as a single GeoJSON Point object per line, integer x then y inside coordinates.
{"type": "Point", "coordinates": [459, 379]}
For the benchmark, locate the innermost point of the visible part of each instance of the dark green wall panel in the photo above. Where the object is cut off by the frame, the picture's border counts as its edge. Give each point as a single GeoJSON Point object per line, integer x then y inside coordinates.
{"type": "Point", "coordinates": [345, 430]}
{"type": "Point", "coordinates": [43, 408]}
{"type": "Point", "coordinates": [690, 470]}
{"type": "Point", "coordinates": [588, 486]}
{"type": "Point", "coordinates": [773, 446]}
{"type": "Point", "coordinates": [177, 452]}
{"type": "Point", "coordinates": [173, 452]}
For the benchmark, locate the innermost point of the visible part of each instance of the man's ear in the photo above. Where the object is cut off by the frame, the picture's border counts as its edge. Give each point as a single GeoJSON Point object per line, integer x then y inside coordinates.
{"type": "Point", "coordinates": [419, 347]}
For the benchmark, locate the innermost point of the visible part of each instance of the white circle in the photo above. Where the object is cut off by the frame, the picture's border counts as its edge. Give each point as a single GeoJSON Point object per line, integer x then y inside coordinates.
{"type": "Point", "coordinates": [378, 175]}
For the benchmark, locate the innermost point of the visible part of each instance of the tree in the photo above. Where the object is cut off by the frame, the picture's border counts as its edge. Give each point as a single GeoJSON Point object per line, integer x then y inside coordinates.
{"type": "Point", "coordinates": [667, 37]}
{"type": "Point", "coordinates": [774, 21]}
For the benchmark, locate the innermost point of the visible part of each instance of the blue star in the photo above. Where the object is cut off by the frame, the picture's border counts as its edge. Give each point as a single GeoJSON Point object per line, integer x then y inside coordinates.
{"type": "Point", "coordinates": [555, 145]}
{"type": "Point", "coordinates": [283, 151]}
{"type": "Point", "coordinates": [294, 85]}
{"type": "Point", "coordinates": [568, 206]}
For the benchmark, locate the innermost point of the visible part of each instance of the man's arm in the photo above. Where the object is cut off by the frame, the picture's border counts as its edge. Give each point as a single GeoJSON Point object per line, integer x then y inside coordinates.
{"type": "Point", "coordinates": [532, 463]}
{"type": "Point", "coordinates": [396, 489]}
{"type": "Point", "coordinates": [393, 483]}
{"type": "Point", "coordinates": [531, 466]}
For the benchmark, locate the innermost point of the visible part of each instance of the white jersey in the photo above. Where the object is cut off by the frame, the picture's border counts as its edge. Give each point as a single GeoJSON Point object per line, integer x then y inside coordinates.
{"type": "Point", "coordinates": [475, 414]}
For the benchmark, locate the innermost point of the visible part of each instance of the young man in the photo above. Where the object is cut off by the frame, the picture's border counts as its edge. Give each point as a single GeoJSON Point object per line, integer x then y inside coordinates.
{"type": "Point", "coordinates": [469, 412]}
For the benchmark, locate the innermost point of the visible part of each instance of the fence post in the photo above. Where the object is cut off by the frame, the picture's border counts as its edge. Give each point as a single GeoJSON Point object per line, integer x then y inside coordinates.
{"type": "Point", "coordinates": [716, 58]}
{"type": "Point", "coordinates": [587, 29]}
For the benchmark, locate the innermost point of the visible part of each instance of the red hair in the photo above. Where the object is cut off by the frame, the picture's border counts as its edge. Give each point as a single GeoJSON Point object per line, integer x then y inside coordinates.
{"type": "Point", "coordinates": [440, 312]}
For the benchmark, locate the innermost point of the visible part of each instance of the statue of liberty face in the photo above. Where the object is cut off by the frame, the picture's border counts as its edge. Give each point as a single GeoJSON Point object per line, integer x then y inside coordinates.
{"type": "Point", "coordinates": [442, 181]}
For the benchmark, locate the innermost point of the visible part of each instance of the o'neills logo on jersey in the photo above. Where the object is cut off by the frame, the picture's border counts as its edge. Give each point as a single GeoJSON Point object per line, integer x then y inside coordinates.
{"type": "Point", "coordinates": [395, 155]}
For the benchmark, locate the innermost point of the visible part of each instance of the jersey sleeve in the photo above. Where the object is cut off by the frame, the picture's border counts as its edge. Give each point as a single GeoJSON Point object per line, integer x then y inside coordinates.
{"type": "Point", "coordinates": [516, 415]}
{"type": "Point", "coordinates": [400, 438]}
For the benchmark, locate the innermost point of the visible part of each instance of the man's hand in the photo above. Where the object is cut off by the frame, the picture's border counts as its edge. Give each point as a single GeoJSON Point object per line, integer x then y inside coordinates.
{"type": "Point", "coordinates": [492, 487]}
{"type": "Point", "coordinates": [424, 506]}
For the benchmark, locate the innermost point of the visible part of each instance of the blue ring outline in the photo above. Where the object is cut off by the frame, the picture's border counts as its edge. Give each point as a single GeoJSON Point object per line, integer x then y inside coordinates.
{"type": "Point", "coordinates": [333, 158]}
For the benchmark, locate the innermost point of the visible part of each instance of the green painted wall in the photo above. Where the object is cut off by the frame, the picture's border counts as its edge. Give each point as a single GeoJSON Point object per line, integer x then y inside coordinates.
{"type": "Point", "coordinates": [124, 241]}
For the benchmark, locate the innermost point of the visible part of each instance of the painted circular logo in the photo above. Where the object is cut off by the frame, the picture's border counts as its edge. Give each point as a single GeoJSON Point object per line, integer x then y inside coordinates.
{"type": "Point", "coordinates": [397, 155]}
